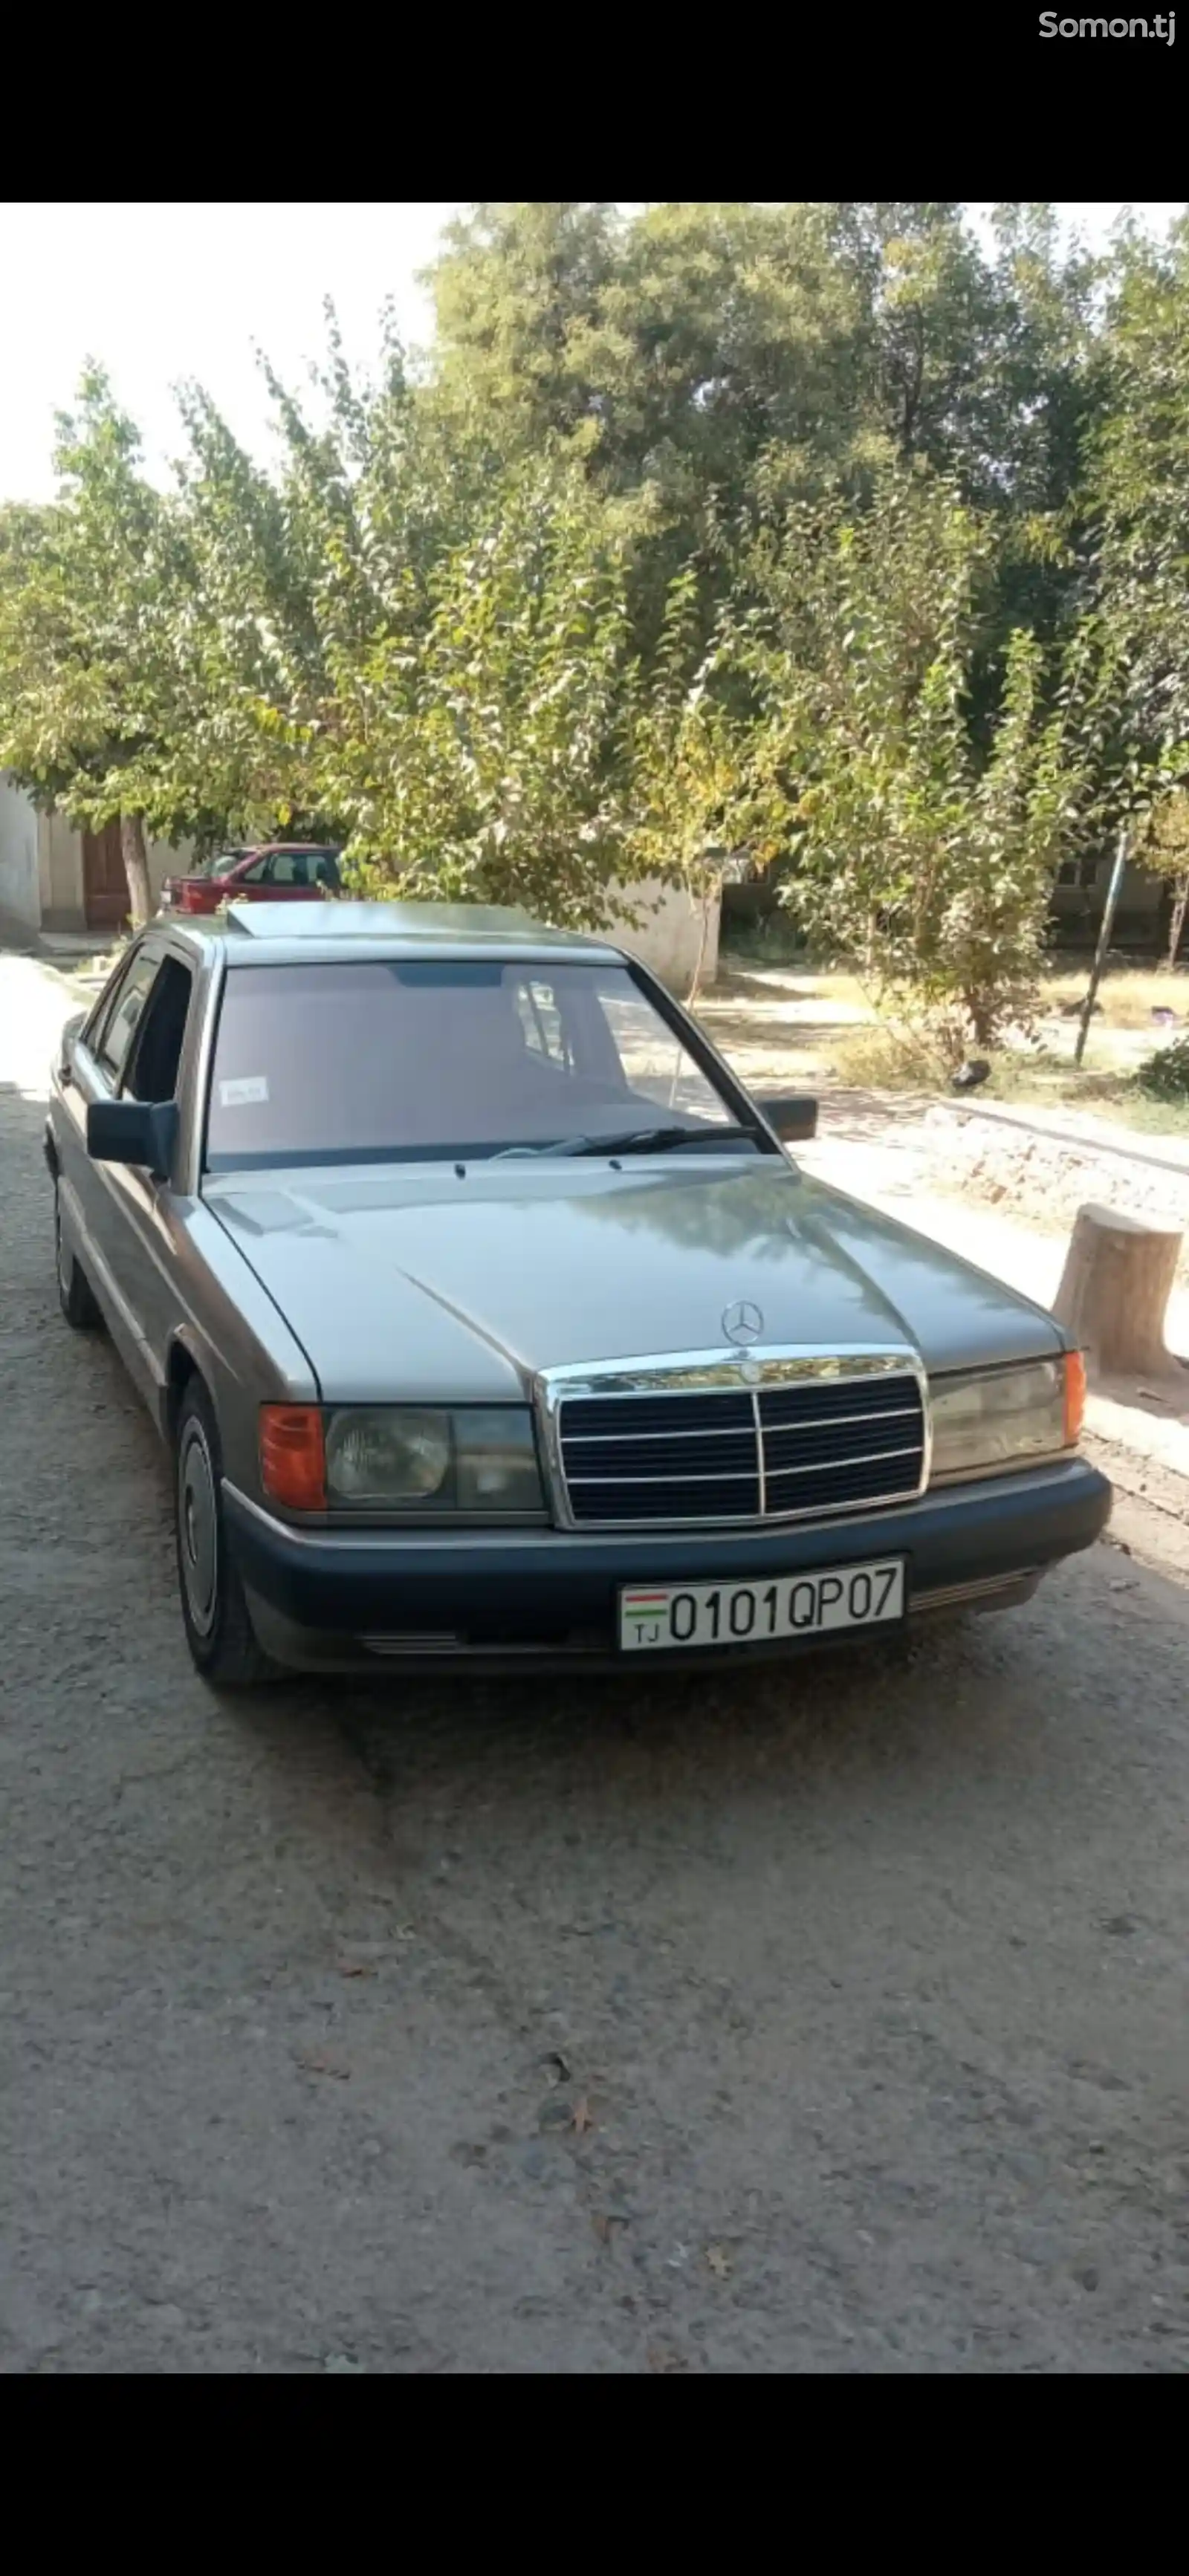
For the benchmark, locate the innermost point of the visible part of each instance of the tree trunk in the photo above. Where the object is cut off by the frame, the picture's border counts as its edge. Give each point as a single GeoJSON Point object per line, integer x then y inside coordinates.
{"type": "Point", "coordinates": [1180, 905]}
{"type": "Point", "coordinates": [1114, 1290]}
{"type": "Point", "coordinates": [982, 1012]}
{"type": "Point", "coordinates": [1102, 950]}
{"type": "Point", "coordinates": [703, 937]}
{"type": "Point", "coordinates": [136, 868]}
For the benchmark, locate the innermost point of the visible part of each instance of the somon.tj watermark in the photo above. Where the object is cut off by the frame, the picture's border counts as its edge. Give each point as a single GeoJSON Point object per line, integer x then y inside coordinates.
{"type": "Point", "coordinates": [1163, 28]}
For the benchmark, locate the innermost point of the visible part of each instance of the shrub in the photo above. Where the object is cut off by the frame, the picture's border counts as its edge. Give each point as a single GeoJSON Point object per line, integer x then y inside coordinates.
{"type": "Point", "coordinates": [1165, 1076]}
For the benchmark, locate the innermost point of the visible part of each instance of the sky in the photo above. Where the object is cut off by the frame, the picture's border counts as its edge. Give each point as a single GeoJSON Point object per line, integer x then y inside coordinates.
{"type": "Point", "coordinates": [161, 292]}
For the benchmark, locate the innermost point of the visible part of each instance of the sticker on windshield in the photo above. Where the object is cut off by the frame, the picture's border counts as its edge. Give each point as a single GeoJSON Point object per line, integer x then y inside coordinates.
{"type": "Point", "coordinates": [246, 1088]}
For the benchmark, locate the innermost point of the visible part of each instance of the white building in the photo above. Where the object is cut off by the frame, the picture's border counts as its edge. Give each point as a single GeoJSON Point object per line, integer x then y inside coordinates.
{"type": "Point", "coordinates": [54, 878]}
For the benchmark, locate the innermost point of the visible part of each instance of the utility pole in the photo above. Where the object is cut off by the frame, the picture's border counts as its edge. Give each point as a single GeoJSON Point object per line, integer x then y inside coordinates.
{"type": "Point", "coordinates": [1105, 928]}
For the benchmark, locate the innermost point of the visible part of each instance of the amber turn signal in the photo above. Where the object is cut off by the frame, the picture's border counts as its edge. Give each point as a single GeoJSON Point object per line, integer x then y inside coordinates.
{"type": "Point", "coordinates": [1075, 1395]}
{"type": "Point", "coordinates": [293, 1456]}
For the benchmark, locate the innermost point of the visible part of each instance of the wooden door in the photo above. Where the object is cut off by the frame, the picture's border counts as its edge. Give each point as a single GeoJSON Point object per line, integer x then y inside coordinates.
{"type": "Point", "coordinates": [105, 881]}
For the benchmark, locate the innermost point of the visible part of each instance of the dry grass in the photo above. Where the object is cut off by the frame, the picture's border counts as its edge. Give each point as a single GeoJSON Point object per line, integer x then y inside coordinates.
{"type": "Point", "coordinates": [800, 1028]}
{"type": "Point", "coordinates": [781, 1030]}
{"type": "Point", "coordinates": [886, 1056]}
{"type": "Point", "coordinates": [1127, 995]}
{"type": "Point", "coordinates": [801, 991]}
{"type": "Point", "coordinates": [1048, 1082]}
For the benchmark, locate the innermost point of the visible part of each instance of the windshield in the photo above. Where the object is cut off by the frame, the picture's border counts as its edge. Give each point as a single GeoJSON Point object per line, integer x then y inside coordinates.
{"type": "Point", "coordinates": [377, 1061]}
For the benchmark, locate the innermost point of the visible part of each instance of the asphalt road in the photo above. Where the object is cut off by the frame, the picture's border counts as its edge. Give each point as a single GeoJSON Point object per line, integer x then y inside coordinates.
{"type": "Point", "coordinates": [826, 2019]}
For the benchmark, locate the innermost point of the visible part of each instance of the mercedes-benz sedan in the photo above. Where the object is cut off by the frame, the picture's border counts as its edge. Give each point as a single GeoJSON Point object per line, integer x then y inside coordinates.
{"type": "Point", "coordinates": [490, 1321]}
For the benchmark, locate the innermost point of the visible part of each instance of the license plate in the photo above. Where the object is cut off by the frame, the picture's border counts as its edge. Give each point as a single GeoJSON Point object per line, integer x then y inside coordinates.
{"type": "Point", "coordinates": [657, 1615]}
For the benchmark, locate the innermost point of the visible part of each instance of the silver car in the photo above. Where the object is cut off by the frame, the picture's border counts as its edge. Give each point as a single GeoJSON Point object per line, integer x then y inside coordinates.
{"type": "Point", "coordinates": [489, 1320]}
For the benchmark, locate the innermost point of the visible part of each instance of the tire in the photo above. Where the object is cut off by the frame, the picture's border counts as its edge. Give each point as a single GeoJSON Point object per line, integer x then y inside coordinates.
{"type": "Point", "coordinates": [219, 1631]}
{"type": "Point", "coordinates": [74, 1296]}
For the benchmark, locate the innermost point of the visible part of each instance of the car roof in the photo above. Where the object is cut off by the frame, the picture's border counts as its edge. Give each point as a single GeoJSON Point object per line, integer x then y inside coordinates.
{"type": "Point", "coordinates": [270, 849]}
{"type": "Point", "coordinates": [295, 934]}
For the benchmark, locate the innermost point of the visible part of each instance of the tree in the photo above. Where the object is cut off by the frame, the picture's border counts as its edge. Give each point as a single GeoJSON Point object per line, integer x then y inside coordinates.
{"type": "Point", "coordinates": [668, 353]}
{"type": "Point", "coordinates": [706, 791]}
{"type": "Point", "coordinates": [1163, 849]}
{"type": "Point", "coordinates": [704, 350]}
{"type": "Point", "coordinates": [1137, 490]}
{"type": "Point", "coordinates": [512, 286]}
{"type": "Point", "coordinates": [102, 701]}
{"type": "Point", "coordinates": [282, 563]}
{"type": "Point", "coordinates": [1134, 600]}
{"type": "Point", "coordinates": [311, 574]}
{"type": "Point", "coordinates": [933, 867]}
{"type": "Point", "coordinates": [728, 527]}
{"type": "Point", "coordinates": [473, 745]}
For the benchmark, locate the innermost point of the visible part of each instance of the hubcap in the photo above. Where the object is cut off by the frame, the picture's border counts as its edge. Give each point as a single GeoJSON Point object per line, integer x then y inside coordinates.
{"type": "Point", "coordinates": [197, 1529]}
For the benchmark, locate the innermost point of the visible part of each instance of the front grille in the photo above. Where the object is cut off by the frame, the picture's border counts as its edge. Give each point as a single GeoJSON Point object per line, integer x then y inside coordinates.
{"type": "Point", "coordinates": [810, 1436]}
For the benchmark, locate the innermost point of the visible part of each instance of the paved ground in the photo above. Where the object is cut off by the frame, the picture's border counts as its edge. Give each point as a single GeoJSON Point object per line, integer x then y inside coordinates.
{"type": "Point", "coordinates": [833, 2020]}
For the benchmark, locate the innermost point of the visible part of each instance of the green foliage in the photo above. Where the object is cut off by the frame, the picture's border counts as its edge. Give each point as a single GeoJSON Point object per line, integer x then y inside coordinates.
{"type": "Point", "coordinates": [513, 289]}
{"type": "Point", "coordinates": [1162, 847]}
{"type": "Point", "coordinates": [472, 748]}
{"type": "Point", "coordinates": [731, 534]}
{"type": "Point", "coordinates": [930, 866]}
{"type": "Point", "coordinates": [709, 355]}
{"type": "Point", "coordinates": [1165, 1076]}
{"type": "Point", "coordinates": [93, 656]}
{"type": "Point", "coordinates": [115, 698]}
{"type": "Point", "coordinates": [680, 349]}
{"type": "Point", "coordinates": [708, 796]}
{"type": "Point", "coordinates": [1138, 492]}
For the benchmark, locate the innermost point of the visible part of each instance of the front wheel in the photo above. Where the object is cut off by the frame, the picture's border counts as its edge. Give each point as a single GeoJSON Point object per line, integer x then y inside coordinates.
{"type": "Point", "coordinates": [218, 1624]}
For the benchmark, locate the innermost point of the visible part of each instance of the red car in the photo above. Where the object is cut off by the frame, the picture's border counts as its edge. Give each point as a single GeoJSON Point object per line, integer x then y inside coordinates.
{"type": "Point", "coordinates": [281, 871]}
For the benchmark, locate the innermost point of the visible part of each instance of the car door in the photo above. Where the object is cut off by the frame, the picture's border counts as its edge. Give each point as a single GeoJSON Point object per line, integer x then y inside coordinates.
{"type": "Point", "coordinates": [290, 878]}
{"type": "Point", "coordinates": [91, 1214]}
{"type": "Point", "coordinates": [120, 1219]}
{"type": "Point", "coordinates": [144, 1234]}
{"type": "Point", "coordinates": [246, 883]}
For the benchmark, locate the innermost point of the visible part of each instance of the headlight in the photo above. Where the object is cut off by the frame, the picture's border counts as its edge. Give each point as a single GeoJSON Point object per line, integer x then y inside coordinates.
{"type": "Point", "coordinates": [386, 1457]}
{"type": "Point", "coordinates": [469, 1460]}
{"type": "Point", "coordinates": [1000, 1418]}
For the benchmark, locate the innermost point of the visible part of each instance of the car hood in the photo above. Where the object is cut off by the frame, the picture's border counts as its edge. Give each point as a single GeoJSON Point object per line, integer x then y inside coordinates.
{"type": "Point", "coordinates": [408, 1280]}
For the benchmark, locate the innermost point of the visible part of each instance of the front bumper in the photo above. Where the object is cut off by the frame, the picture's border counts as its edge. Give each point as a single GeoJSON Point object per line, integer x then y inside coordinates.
{"type": "Point", "coordinates": [351, 1599]}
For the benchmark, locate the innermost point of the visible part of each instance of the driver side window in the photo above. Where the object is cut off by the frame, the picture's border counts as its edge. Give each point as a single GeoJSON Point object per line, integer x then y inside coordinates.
{"type": "Point", "coordinates": [154, 1061]}
{"type": "Point", "coordinates": [113, 1041]}
{"type": "Point", "coordinates": [542, 1024]}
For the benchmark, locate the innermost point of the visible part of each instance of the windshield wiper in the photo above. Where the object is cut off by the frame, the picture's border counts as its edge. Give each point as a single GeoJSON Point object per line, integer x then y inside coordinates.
{"type": "Point", "coordinates": [634, 1140]}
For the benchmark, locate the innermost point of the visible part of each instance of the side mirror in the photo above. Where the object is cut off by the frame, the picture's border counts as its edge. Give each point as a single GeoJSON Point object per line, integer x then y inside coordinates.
{"type": "Point", "coordinates": [793, 1115]}
{"type": "Point", "coordinates": [133, 1131]}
